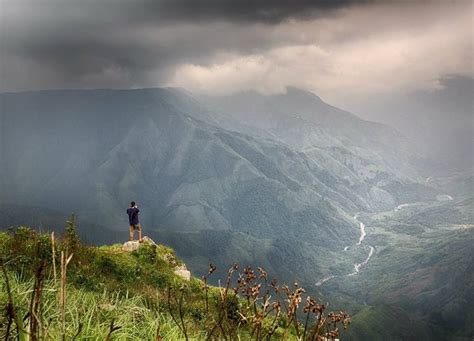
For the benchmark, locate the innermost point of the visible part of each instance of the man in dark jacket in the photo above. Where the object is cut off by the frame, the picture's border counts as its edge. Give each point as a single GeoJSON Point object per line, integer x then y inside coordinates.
{"type": "Point", "coordinates": [132, 212]}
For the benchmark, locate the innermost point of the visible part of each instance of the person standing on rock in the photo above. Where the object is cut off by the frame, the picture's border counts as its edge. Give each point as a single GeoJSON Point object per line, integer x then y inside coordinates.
{"type": "Point", "coordinates": [132, 213]}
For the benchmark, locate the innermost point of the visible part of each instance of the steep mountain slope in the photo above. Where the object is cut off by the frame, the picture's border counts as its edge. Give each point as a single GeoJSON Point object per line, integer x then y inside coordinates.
{"type": "Point", "coordinates": [304, 121]}
{"type": "Point", "coordinates": [367, 156]}
{"type": "Point", "coordinates": [376, 323]}
{"type": "Point", "coordinates": [92, 152]}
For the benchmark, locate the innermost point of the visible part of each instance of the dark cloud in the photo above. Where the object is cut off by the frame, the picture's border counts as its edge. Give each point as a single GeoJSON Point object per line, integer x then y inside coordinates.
{"type": "Point", "coordinates": [119, 43]}
{"type": "Point", "coordinates": [125, 43]}
{"type": "Point", "coordinates": [263, 11]}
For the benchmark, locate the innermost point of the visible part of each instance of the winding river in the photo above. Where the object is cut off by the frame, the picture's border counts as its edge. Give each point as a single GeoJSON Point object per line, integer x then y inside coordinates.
{"type": "Point", "coordinates": [363, 234]}
{"type": "Point", "coordinates": [357, 266]}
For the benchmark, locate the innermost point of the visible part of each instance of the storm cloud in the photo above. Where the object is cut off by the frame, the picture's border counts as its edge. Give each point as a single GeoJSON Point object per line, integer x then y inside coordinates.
{"type": "Point", "coordinates": [344, 50]}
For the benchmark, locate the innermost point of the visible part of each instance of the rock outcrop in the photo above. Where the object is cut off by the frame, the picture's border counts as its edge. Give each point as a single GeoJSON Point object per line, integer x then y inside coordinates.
{"type": "Point", "coordinates": [179, 270]}
{"type": "Point", "coordinates": [183, 272]}
{"type": "Point", "coordinates": [134, 245]}
{"type": "Point", "coordinates": [131, 245]}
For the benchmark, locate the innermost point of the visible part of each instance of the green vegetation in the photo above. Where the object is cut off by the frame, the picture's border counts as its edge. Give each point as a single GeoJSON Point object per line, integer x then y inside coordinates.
{"type": "Point", "coordinates": [290, 187]}
{"type": "Point", "coordinates": [61, 289]}
{"type": "Point", "coordinates": [421, 273]}
{"type": "Point", "coordinates": [281, 197]}
{"type": "Point", "coordinates": [90, 313]}
{"type": "Point", "coordinates": [372, 322]}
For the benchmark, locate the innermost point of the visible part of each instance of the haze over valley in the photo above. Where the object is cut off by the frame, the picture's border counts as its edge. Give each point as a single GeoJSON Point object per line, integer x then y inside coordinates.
{"type": "Point", "coordinates": [286, 191]}
{"type": "Point", "coordinates": [258, 135]}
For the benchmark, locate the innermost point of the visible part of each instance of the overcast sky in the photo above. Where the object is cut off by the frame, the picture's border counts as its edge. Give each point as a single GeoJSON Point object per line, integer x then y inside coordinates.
{"type": "Point", "coordinates": [345, 51]}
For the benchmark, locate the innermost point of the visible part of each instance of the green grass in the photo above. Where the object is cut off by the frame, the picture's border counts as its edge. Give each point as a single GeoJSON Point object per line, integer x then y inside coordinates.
{"type": "Point", "coordinates": [105, 284]}
{"type": "Point", "coordinates": [114, 294]}
{"type": "Point", "coordinates": [92, 312]}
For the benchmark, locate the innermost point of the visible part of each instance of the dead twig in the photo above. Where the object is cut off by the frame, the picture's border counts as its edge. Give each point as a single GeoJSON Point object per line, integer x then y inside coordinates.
{"type": "Point", "coordinates": [112, 328]}
{"type": "Point", "coordinates": [62, 295]}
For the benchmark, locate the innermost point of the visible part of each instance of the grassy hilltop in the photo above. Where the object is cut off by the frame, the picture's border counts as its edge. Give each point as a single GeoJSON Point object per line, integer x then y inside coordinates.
{"type": "Point", "coordinates": [107, 293]}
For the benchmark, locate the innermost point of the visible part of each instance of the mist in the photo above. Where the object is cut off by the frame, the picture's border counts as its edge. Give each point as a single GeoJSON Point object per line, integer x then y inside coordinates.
{"type": "Point", "coordinates": [328, 142]}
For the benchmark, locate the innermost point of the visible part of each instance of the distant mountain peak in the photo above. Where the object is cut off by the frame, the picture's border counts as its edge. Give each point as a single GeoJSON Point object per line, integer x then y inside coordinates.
{"type": "Point", "coordinates": [301, 93]}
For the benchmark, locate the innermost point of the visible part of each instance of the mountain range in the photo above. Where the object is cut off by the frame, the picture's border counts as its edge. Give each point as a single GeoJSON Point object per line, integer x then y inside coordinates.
{"type": "Point", "coordinates": [275, 181]}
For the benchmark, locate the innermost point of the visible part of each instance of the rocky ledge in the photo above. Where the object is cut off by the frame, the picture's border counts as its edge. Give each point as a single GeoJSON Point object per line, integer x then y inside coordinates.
{"type": "Point", "coordinates": [134, 245]}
